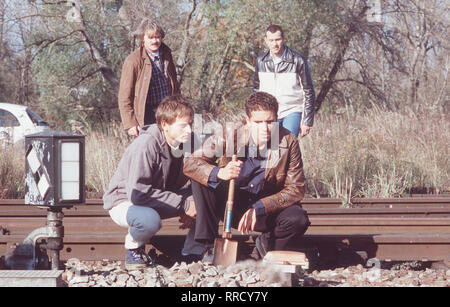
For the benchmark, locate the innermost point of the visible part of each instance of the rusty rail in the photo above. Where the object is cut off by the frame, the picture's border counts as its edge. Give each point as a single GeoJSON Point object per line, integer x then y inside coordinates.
{"type": "Point", "coordinates": [395, 229]}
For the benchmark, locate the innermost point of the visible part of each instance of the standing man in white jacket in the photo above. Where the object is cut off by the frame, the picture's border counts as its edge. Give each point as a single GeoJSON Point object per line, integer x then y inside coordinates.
{"type": "Point", "coordinates": [284, 73]}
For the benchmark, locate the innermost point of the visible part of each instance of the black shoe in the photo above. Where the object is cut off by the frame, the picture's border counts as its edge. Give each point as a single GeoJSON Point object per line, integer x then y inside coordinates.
{"type": "Point", "coordinates": [262, 245]}
{"type": "Point", "coordinates": [191, 258]}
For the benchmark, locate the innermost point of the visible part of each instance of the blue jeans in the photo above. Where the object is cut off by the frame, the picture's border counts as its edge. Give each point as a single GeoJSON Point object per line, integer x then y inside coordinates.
{"type": "Point", "coordinates": [292, 122]}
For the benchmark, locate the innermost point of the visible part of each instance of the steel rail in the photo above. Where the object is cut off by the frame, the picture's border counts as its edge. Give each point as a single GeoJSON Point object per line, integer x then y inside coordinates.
{"type": "Point", "coordinates": [394, 229]}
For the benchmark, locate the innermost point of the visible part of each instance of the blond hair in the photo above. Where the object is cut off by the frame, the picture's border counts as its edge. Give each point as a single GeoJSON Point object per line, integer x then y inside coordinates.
{"type": "Point", "coordinates": [148, 24]}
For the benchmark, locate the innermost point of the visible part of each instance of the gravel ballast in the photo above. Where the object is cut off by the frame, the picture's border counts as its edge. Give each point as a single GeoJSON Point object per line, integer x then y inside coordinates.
{"type": "Point", "coordinates": [247, 273]}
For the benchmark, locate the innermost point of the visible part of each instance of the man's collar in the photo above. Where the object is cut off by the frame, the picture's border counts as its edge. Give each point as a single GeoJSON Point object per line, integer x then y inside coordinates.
{"type": "Point", "coordinates": [163, 49]}
{"type": "Point", "coordinates": [281, 57]}
{"type": "Point", "coordinates": [286, 56]}
{"type": "Point", "coordinates": [153, 55]}
{"type": "Point", "coordinates": [255, 152]}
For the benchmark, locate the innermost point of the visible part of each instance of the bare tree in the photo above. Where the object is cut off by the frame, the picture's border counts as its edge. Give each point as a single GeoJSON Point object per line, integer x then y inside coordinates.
{"type": "Point", "coordinates": [190, 30]}
{"type": "Point", "coordinates": [353, 25]}
{"type": "Point", "coordinates": [100, 61]}
{"type": "Point", "coordinates": [422, 26]}
{"type": "Point", "coordinates": [2, 22]}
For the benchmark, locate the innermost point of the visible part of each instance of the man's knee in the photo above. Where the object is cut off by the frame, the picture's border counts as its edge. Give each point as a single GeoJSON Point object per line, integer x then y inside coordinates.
{"type": "Point", "coordinates": [144, 222]}
{"type": "Point", "coordinates": [297, 220]}
{"type": "Point", "coordinates": [301, 221]}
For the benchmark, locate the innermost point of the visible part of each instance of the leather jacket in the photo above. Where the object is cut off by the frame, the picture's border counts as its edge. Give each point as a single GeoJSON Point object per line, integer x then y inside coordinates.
{"type": "Point", "coordinates": [284, 181]}
{"type": "Point", "coordinates": [135, 82]}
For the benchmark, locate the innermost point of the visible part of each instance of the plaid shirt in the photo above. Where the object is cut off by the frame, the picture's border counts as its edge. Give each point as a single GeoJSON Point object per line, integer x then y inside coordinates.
{"type": "Point", "coordinates": [159, 84]}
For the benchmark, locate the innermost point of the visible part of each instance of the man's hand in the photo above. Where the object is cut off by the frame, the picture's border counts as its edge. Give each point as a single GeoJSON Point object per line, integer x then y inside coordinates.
{"type": "Point", "coordinates": [305, 130]}
{"type": "Point", "coordinates": [191, 211]}
{"type": "Point", "coordinates": [247, 222]}
{"type": "Point", "coordinates": [187, 219]}
{"type": "Point", "coordinates": [231, 171]}
{"type": "Point", "coordinates": [133, 131]}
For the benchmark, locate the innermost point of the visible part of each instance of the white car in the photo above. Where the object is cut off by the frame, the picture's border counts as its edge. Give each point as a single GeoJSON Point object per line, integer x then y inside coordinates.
{"type": "Point", "coordinates": [17, 121]}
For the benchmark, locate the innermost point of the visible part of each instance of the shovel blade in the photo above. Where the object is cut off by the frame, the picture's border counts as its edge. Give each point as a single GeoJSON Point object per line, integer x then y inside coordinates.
{"type": "Point", "coordinates": [225, 252]}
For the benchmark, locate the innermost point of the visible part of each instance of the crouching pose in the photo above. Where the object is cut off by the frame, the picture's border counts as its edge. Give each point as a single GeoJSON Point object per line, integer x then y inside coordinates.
{"type": "Point", "coordinates": [147, 186]}
{"type": "Point", "coordinates": [269, 180]}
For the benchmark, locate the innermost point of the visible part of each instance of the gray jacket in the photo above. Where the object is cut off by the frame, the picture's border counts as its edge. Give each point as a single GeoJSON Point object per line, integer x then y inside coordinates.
{"type": "Point", "coordinates": [142, 174]}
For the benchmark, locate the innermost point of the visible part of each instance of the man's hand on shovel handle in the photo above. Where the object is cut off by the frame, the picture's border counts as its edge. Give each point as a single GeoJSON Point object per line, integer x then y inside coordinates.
{"type": "Point", "coordinates": [247, 222]}
{"type": "Point", "coordinates": [231, 171]}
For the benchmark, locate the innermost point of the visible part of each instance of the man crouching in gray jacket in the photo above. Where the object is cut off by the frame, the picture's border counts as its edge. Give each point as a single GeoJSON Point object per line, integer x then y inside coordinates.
{"type": "Point", "coordinates": [147, 186]}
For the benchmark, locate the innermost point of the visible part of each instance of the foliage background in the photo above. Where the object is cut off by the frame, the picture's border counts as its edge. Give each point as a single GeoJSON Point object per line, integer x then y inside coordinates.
{"type": "Point", "coordinates": [380, 70]}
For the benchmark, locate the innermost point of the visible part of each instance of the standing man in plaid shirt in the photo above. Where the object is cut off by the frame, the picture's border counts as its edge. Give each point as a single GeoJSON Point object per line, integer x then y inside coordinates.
{"type": "Point", "coordinates": [148, 75]}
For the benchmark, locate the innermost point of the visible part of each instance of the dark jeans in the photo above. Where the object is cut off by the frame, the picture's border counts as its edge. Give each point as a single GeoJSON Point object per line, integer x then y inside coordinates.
{"type": "Point", "coordinates": [278, 228]}
{"type": "Point", "coordinates": [149, 117]}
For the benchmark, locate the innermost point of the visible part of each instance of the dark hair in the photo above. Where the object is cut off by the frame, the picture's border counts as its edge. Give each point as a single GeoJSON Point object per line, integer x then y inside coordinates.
{"type": "Point", "coordinates": [171, 108]}
{"type": "Point", "coordinates": [261, 101]}
{"type": "Point", "coordinates": [273, 29]}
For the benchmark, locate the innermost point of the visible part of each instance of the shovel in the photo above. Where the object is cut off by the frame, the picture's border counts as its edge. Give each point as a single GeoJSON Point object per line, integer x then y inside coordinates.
{"type": "Point", "coordinates": [225, 250]}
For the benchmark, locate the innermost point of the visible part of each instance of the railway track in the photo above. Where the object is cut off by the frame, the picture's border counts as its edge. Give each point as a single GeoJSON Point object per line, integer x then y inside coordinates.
{"type": "Point", "coordinates": [401, 229]}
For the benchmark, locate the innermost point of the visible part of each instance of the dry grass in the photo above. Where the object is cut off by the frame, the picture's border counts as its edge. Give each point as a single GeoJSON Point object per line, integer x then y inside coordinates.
{"type": "Point", "coordinates": [377, 154]}
{"type": "Point", "coordinates": [104, 149]}
{"type": "Point", "coordinates": [12, 175]}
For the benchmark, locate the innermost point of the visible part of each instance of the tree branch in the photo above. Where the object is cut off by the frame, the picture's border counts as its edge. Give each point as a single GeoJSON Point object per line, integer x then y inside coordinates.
{"type": "Point", "coordinates": [247, 64]}
{"type": "Point", "coordinates": [106, 71]}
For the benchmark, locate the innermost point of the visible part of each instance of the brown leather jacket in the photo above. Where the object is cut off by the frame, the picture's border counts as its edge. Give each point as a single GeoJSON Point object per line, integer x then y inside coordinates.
{"type": "Point", "coordinates": [284, 181]}
{"type": "Point", "coordinates": [135, 82]}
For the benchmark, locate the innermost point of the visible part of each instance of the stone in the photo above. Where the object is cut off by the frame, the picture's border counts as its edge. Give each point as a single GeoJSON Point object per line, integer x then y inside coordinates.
{"type": "Point", "coordinates": [122, 280]}
{"type": "Point", "coordinates": [154, 283]}
{"type": "Point", "coordinates": [213, 283]}
{"type": "Point", "coordinates": [132, 283]}
{"type": "Point", "coordinates": [79, 279]}
{"type": "Point", "coordinates": [195, 281]}
{"type": "Point", "coordinates": [251, 280]}
{"type": "Point", "coordinates": [195, 268]}
{"type": "Point", "coordinates": [80, 285]}
{"type": "Point", "coordinates": [111, 277]}
{"type": "Point", "coordinates": [138, 275]}
{"type": "Point", "coordinates": [233, 269]}
{"type": "Point", "coordinates": [233, 283]}
{"type": "Point", "coordinates": [68, 275]}
{"type": "Point", "coordinates": [102, 283]}
{"type": "Point", "coordinates": [175, 267]}
{"type": "Point", "coordinates": [229, 275]}
{"type": "Point", "coordinates": [245, 274]}
{"type": "Point", "coordinates": [211, 272]}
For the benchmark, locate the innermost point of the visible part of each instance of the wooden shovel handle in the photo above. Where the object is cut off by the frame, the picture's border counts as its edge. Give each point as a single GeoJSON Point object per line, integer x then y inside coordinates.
{"type": "Point", "coordinates": [229, 207]}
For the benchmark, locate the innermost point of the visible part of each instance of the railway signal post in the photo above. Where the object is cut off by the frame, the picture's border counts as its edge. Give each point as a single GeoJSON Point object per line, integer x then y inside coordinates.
{"type": "Point", "coordinates": [54, 179]}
